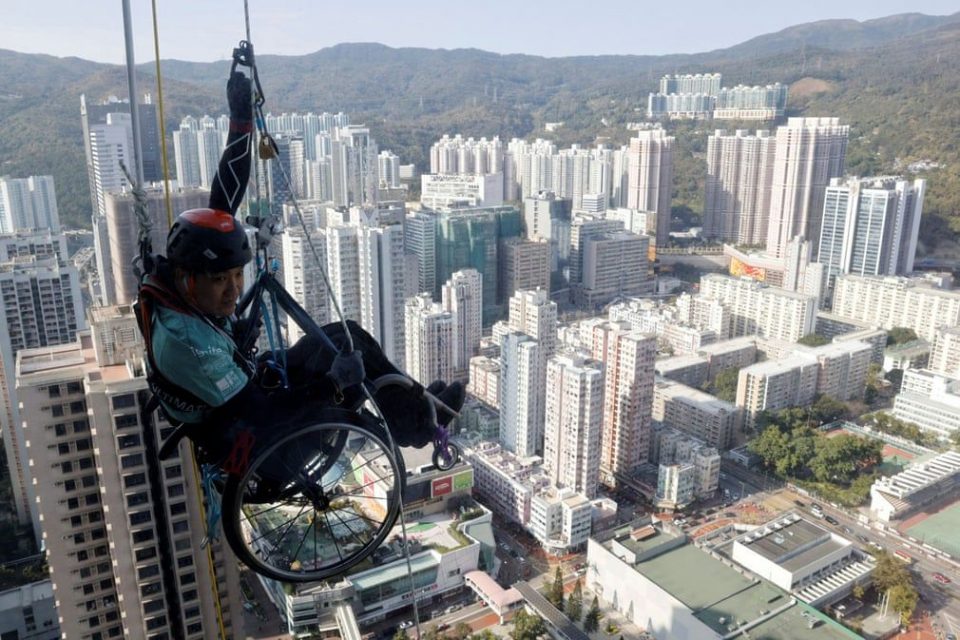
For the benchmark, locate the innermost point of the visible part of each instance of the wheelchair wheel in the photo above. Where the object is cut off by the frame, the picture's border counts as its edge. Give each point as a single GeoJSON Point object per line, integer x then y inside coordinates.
{"type": "Point", "coordinates": [445, 460]}
{"type": "Point", "coordinates": [315, 501]}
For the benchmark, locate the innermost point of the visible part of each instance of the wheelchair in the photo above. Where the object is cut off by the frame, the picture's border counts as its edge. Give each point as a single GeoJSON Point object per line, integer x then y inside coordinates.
{"type": "Point", "coordinates": [315, 497]}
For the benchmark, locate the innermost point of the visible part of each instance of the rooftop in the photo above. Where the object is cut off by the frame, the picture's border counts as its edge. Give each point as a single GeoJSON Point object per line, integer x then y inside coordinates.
{"type": "Point", "coordinates": [790, 542]}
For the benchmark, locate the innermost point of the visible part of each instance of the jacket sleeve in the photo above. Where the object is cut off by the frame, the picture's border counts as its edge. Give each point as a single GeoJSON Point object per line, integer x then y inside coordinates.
{"type": "Point", "coordinates": [233, 172]}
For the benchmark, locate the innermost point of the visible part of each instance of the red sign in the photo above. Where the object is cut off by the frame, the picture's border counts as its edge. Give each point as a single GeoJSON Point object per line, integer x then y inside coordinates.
{"type": "Point", "coordinates": [441, 487]}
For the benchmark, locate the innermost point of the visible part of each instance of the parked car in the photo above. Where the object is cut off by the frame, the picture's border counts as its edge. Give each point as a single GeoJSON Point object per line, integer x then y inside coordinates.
{"type": "Point", "coordinates": [942, 579]}
{"type": "Point", "coordinates": [831, 520]}
{"type": "Point", "coordinates": [800, 503]}
{"type": "Point", "coordinates": [406, 624]}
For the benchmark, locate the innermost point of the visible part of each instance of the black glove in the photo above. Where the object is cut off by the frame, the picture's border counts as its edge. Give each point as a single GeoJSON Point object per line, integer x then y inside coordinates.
{"type": "Point", "coordinates": [238, 96]}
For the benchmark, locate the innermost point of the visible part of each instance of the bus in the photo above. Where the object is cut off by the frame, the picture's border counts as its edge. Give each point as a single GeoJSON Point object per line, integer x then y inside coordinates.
{"type": "Point", "coordinates": [903, 556]}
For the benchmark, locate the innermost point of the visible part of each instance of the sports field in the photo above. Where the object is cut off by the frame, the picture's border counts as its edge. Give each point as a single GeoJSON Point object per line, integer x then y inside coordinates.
{"type": "Point", "coordinates": [894, 460]}
{"type": "Point", "coordinates": [940, 530]}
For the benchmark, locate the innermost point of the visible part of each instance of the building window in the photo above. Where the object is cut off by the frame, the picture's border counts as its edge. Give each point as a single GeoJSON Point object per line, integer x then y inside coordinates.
{"type": "Point", "coordinates": [131, 460]}
{"type": "Point", "coordinates": [140, 517]}
{"type": "Point", "coordinates": [178, 508]}
{"type": "Point", "coordinates": [134, 480]}
{"type": "Point", "coordinates": [150, 589]}
{"type": "Point", "coordinates": [174, 472]}
{"type": "Point", "coordinates": [146, 554]}
{"type": "Point", "coordinates": [54, 391]}
{"type": "Point", "coordinates": [60, 429]}
{"type": "Point", "coordinates": [144, 535]}
{"type": "Point", "coordinates": [136, 499]}
{"type": "Point", "coordinates": [153, 606]}
{"type": "Point", "coordinates": [83, 444]}
{"type": "Point", "coordinates": [185, 561]}
{"type": "Point", "coordinates": [78, 406]}
{"type": "Point", "coordinates": [81, 426]}
{"type": "Point", "coordinates": [156, 623]}
{"type": "Point", "coordinates": [175, 490]}
{"type": "Point", "coordinates": [148, 572]}
{"type": "Point", "coordinates": [188, 578]}
{"type": "Point", "coordinates": [126, 420]}
{"type": "Point", "coordinates": [181, 526]}
{"type": "Point", "coordinates": [66, 467]}
{"type": "Point", "coordinates": [125, 401]}
{"type": "Point", "coordinates": [127, 441]}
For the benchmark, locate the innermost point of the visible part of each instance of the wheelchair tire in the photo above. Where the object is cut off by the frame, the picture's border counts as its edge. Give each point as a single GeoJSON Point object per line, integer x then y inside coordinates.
{"type": "Point", "coordinates": [446, 462]}
{"type": "Point", "coordinates": [315, 501]}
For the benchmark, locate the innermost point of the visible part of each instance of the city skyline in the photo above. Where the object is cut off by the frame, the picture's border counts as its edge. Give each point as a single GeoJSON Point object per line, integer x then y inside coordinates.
{"type": "Point", "coordinates": [291, 29]}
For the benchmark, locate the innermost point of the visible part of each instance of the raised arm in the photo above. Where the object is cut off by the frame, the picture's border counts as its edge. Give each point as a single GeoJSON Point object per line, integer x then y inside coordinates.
{"type": "Point", "coordinates": [233, 172]}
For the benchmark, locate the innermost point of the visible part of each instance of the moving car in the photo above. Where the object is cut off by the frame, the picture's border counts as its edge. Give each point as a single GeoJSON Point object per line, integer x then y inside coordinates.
{"type": "Point", "coordinates": [903, 556]}
{"type": "Point", "coordinates": [942, 579]}
{"type": "Point", "coordinates": [831, 520]}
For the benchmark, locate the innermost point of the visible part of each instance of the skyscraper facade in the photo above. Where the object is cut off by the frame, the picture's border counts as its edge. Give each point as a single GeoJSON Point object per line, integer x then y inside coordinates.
{"type": "Point", "coordinates": [628, 358]}
{"type": "Point", "coordinates": [809, 152]}
{"type": "Point", "coordinates": [28, 203]}
{"type": "Point", "coordinates": [462, 296]}
{"type": "Point", "coordinates": [737, 198]}
{"type": "Point", "coordinates": [41, 307]}
{"type": "Point", "coordinates": [382, 286]}
{"type": "Point", "coordinates": [870, 226]}
{"type": "Point", "coordinates": [650, 179]}
{"type": "Point", "coordinates": [429, 340]}
{"type": "Point", "coordinates": [420, 240]}
{"type": "Point", "coordinates": [123, 530]}
{"type": "Point", "coordinates": [302, 277]}
{"type": "Point", "coordinates": [522, 377]}
{"type": "Point", "coordinates": [572, 422]}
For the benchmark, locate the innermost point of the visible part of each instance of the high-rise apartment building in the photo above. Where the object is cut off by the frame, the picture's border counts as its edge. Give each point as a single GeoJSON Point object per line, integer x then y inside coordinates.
{"type": "Point", "coordinates": [388, 169]}
{"type": "Point", "coordinates": [521, 389]}
{"type": "Point", "coordinates": [945, 355]}
{"type": "Point", "coordinates": [302, 276]}
{"type": "Point", "coordinates": [572, 422]}
{"type": "Point", "coordinates": [420, 240]}
{"type": "Point", "coordinates": [613, 266]}
{"type": "Point", "coordinates": [528, 168]}
{"type": "Point", "coordinates": [28, 203]}
{"type": "Point", "coordinates": [628, 358]}
{"type": "Point", "coordinates": [461, 190]}
{"type": "Point", "coordinates": [462, 296]}
{"type": "Point", "coordinates": [185, 153]}
{"type": "Point", "coordinates": [737, 198]}
{"type": "Point", "coordinates": [895, 301]}
{"type": "Point", "coordinates": [382, 286]}
{"type": "Point", "coordinates": [428, 338]}
{"type": "Point", "coordinates": [582, 228]}
{"type": "Point", "coordinates": [123, 530]}
{"type": "Point", "coordinates": [456, 155]}
{"type": "Point", "coordinates": [777, 384]}
{"type": "Point", "coordinates": [759, 309]}
{"type": "Point", "coordinates": [870, 226]}
{"type": "Point", "coordinates": [751, 103]}
{"type": "Point", "coordinates": [708, 83]}
{"type": "Point", "coordinates": [650, 179]}
{"type": "Point", "coordinates": [41, 307]}
{"type": "Point", "coordinates": [809, 152]}
{"type": "Point", "coordinates": [696, 413]}
{"type": "Point", "coordinates": [343, 260]}
{"type": "Point", "coordinates": [524, 265]}
{"type": "Point", "coordinates": [533, 313]}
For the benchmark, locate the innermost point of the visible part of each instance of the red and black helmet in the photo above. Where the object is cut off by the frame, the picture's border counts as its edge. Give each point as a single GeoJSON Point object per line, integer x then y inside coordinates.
{"type": "Point", "coordinates": [207, 241]}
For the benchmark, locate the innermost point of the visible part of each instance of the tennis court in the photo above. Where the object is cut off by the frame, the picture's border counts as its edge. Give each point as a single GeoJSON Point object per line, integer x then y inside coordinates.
{"type": "Point", "coordinates": [940, 530]}
{"type": "Point", "coordinates": [895, 460]}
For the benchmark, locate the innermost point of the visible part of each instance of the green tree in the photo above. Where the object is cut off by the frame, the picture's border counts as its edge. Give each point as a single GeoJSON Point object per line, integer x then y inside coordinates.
{"type": "Point", "coordinates": [527, 626]}
{"type": "Point", "coordinates": [858, 591]}
{"type": "Point", "coordinates": [460, 631]}
{"type": "Point", "coordinates": [591, 622]}
{"type": "Point", "coordinates": [827, 409]}
{"type": "Point", "coordinates": [895, 377]}
{"type": "Point", "coordinates": [574, 607]}
{"type": "Point", "coordinates": [401, 634]}
{"type": "Point", "coordinates": [725, 384]}
{"type": "Point", "coordinates": [555, 595]}
{"type": "Point", "coordinates": [813, 340]}
{"type": "Point", "coordinates": [484, 634]}
{"type": "Point", "coordinates": [903, 600]}
{"type": "Point", "coordinates": [900, 335]}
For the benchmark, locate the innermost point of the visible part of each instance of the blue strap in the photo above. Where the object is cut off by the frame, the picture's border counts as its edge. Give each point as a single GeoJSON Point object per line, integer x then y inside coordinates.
{"type": "Point", "coordinates": [211, 475]}
{"type": "Point", "coordinates": [277, 353]}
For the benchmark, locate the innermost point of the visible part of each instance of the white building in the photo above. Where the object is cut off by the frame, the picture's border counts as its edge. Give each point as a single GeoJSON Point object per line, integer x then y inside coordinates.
{"type": "Point", "coordinates": [302, 277]}
{"type": "Point", "coordinates": [818, 566]}
{"type": "Point", "coordinates": [428, 336]}
{"type": "Point", "coordinates": [484, 382]}
{"type": "Point", "coordinates": [123, 530]}
{"type": "Point", "coordinates": [628, 357]}
{"type": "Point", "coordinates": [461, 190]}
{"type": "Point", "coordinates": [945, 355]}
{"type": "Point", "coordinates": [574, 416]}
{"type": "Point", "coordinates": [343, 268]}
{"type": "Point", "coordinates": [809, 152]}
{"type": "Point", "coordinates": [739, 176]}
{"type": "Point", "coordinates": [42, 306]}
{"type": "Point", "coordinates": [30, 612]}
{"type": "Point", "coordinates": [614, 265]}
{"type": "Point", "coordinates": [560, 520]}
{"type": "Point", "coordinates": [759, 309]}
{"type": "Point", "coordinates": [420, 240]}
{"type": "Point", "coordinates": [521, 389]}
{"type": "Point", "coordinates": [650, 179]}
{"type": "Point", "coordinates": [870, 226]}
{"type": "Point", "coordinates": [28, 203]}
{"type": "Point", "coordinates": [676, 485]}
{"type": "Point", "coordinates": [890, 302]}
{"type": "Point", "coordinates": [896, 497]}
{"type": "Point", "coordinates": [382, 286]}
{"type": "Point", "coordinates": [929, 400]}
{"type": "Point", "coordinates": [462, 296]}
{"type": "Point", "coordinates": [524, 265]}
{"type": "Point", "coordinates": [695, 412]}
{"type": "Point", "coordinates": [777, 384]}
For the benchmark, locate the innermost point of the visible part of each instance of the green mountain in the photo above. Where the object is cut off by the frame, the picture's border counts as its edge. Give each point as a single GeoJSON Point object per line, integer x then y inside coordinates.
{"type": "Point", "coordinates": [894, 80]}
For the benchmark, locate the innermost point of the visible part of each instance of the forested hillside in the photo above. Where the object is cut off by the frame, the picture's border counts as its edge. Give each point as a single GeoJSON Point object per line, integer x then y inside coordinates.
{"type": "Point", "coordinates": [896, 81]}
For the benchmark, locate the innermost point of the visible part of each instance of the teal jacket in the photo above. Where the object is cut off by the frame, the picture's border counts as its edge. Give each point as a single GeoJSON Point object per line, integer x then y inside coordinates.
{"type": "Point", "coordinates": [199, 356]}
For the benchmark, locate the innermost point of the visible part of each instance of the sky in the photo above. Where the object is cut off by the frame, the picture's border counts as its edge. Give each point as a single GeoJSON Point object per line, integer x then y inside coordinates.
{"type": "Point", "coordinates": [207, 30]}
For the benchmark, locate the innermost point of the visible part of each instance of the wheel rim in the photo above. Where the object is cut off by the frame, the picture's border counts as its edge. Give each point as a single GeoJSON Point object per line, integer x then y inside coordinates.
{"type": "Point", "coordinates": [315, 503]}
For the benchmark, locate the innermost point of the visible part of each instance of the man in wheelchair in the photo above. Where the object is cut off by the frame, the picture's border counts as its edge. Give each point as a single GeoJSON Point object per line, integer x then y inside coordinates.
{"type": "Point", "coordinates": [202, 376]}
